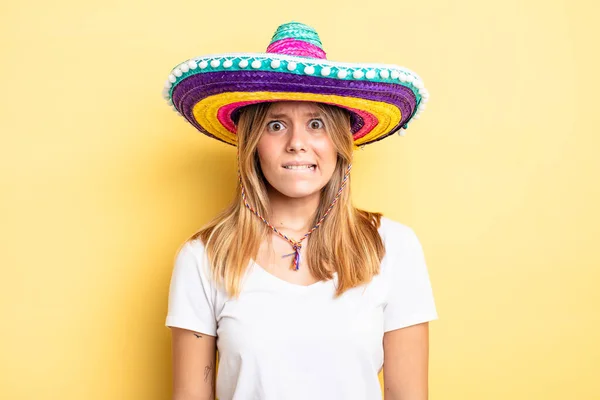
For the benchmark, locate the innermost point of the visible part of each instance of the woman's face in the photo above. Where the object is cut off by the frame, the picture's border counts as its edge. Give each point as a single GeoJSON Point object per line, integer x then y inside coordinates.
{"type": "Point", "coordinates": [296, 153]}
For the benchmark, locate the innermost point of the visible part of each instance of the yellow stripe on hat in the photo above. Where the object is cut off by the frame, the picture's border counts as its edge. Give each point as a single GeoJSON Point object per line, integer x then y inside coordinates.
{"type": "Point", "coordinates": [205, 111]}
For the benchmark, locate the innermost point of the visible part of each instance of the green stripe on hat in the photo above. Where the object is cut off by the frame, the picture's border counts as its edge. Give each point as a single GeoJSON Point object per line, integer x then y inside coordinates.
{"type": "Point", "coordinates": [298, 31]}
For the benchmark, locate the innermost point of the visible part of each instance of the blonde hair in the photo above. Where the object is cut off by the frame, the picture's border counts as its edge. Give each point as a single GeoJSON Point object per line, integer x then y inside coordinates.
{"type": "Point", "coordinates": [347, 242]}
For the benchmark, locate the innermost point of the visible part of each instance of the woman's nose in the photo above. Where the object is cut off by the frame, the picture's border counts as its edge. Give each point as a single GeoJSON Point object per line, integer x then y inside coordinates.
{"type": "Point", "coordinates": [297, 138]}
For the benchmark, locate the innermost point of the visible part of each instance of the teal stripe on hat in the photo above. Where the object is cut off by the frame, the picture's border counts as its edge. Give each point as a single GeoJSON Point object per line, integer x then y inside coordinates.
{"type": "Point", "coordinates": [298, 31]}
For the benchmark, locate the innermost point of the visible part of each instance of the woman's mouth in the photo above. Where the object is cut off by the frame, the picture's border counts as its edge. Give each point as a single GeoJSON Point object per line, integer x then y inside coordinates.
{"type": "Point", "coordinates": [307, 167]}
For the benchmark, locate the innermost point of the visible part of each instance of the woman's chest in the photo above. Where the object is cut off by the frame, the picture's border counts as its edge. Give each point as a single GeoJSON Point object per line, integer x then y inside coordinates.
{"type": "Point", "coordinates": [281, 318]}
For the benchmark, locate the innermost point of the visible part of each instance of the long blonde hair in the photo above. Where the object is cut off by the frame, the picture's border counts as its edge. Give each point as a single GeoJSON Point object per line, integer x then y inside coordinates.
{"type": "Point", "coordinates": [347, 242]}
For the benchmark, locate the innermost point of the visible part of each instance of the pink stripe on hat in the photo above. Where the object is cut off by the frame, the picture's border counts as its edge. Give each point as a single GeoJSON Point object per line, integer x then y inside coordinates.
{"type": "Point", "coordinates": [294, 47]}
{"type": "Point", "coordinates": [224, 116]}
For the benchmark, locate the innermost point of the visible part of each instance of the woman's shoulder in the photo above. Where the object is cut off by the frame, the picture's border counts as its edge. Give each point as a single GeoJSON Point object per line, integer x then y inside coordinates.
{"type": "Point", "coordinates": [191, 256]}
{"type": "Point", "coordinates": [392, 231]}
{"type": "Point", "coordinates": [195, 243]}
{"type": "Point", "coordinates": [404, 253]}
{"type": "Point", "coordinates": [399, 239]}
{"type": "Point", "coordinates": [191, 249]}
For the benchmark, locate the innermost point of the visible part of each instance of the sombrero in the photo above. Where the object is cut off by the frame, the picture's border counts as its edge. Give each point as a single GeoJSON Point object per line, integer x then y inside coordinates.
{"type": "Point", "coordinates": [209, 91]}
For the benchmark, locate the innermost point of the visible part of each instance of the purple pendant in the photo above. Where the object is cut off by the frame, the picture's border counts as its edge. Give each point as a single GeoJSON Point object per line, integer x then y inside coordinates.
{"type": "Point", "coordinates": [296, 255]}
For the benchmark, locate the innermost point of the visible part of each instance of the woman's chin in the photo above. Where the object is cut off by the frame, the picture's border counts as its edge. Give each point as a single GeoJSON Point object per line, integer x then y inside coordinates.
{"type": "Point", "coordinates": [300, 193]}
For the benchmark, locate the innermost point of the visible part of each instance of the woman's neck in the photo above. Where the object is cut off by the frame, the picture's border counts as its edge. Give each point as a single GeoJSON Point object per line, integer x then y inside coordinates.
{"type": "Point", "coordinates": [293, 214]}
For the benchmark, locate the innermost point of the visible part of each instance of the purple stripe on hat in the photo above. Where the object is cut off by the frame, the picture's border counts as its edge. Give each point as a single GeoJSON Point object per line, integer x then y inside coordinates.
{"type": "Point", "coordinates": [199, 86]}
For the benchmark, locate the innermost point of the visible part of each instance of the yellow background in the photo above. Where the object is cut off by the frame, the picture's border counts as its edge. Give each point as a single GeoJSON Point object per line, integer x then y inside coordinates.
{"type": "Point", "coordinates": [101, 182]}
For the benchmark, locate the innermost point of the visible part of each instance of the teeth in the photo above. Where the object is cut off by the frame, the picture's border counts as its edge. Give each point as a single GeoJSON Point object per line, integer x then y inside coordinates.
{"type": "Point", "coordinates": [299, 167]}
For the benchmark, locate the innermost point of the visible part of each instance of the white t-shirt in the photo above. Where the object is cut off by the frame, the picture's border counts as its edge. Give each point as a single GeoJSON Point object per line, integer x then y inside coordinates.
{"type": "Point", "coordinates": [281, 340]}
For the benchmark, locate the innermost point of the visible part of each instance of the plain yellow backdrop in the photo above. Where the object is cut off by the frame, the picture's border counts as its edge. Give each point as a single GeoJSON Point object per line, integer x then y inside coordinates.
{"type": "Point", "coordinates": [101, 182]}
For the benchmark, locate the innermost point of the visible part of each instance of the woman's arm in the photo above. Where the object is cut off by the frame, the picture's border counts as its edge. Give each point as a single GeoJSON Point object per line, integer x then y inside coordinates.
{"type": "Point", "coordinates": [406, 363]}
{"type": "Point", "coordinates": [193, 365]}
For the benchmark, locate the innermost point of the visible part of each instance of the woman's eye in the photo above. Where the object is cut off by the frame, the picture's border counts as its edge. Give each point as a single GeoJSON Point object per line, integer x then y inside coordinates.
{"type": "Point", "coordinates": [275, 126]}
{"type": "Point", "coordinates": [316, 124]}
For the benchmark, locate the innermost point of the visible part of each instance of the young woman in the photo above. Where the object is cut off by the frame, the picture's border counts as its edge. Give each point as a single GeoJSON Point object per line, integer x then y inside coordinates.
{"type": "Point", "coordinates": [303, 294]}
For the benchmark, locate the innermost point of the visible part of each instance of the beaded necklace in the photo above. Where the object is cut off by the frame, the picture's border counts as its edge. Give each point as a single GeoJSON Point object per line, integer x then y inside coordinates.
{"type": "Point", "coordinates": [296, 245]}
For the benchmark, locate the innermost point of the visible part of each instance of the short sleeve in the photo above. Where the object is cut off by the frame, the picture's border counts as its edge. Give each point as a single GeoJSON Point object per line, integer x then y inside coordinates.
{"type": "Point", "coordinates": [191, 295]}
{"type": "Point", "coordinates": [410, 298]}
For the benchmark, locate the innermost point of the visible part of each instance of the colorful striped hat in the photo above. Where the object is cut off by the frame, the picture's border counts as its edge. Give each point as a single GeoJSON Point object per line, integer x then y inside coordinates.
{"type": "Point", "coordinates": [209, 91]}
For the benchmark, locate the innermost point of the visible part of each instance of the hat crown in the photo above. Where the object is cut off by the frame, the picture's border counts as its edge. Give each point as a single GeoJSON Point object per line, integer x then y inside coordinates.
{"type": "Point", "coordinates": [296, 39]}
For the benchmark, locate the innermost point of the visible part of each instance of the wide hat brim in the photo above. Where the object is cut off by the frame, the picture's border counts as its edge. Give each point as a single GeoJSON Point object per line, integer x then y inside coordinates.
{"type": "Point", "coordinates": [209, 91]}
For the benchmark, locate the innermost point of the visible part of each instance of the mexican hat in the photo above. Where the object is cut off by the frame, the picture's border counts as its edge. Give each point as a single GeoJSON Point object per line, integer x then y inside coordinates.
{"type": "Point", "coordinates": [209, 91]}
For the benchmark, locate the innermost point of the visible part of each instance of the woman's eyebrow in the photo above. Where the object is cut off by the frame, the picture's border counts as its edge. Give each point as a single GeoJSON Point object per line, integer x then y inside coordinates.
{"type": "Point", "coordinates": [276, 116]}
{"type": "Point", "coordinates": [315, 114]}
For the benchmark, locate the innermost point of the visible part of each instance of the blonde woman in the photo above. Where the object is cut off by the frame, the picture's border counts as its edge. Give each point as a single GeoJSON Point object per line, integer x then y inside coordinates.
{"type": "Point", "coordinates": [303, 295]}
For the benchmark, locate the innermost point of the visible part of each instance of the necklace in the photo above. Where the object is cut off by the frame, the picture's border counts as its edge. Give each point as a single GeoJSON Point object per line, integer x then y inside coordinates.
{"type": "Point", "coordinates": [296, 244]}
